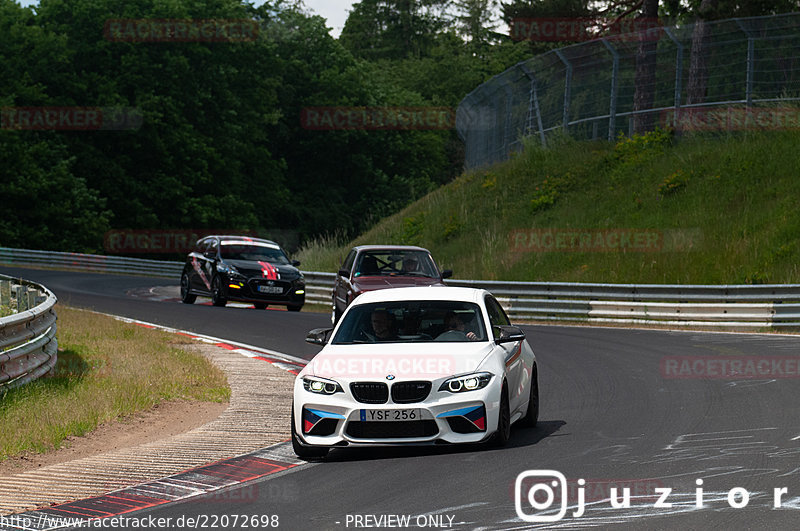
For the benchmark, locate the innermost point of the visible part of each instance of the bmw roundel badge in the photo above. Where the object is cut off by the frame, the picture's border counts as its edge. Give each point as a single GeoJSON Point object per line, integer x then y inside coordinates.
{"type": "Point", "coordinates": [390, 377]}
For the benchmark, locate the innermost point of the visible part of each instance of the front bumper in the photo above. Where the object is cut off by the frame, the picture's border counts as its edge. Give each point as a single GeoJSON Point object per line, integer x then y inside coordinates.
{"type": "Point", "coordinates": [292, 292]}
{"type": "Point", "coordinates": [452, 418]}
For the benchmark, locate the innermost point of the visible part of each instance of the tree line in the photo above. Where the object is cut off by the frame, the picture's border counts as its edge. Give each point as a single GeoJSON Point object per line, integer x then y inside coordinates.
{"type": "Point", "coordinates": [215, 136]}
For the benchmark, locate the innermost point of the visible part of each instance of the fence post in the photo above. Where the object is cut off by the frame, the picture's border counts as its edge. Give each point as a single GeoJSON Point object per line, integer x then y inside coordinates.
{"type": "Point", "coordinates": [22, 298]}
{"type": "Point", "coordinates": [507, 128]}
{"type": "Point", "coordinates": [748, 88]}
{"type": "Point", "coordinates": [612, 111]}
{"type": "Point", "coordinates": [495, 149]}
{"type": "Point", "coordinates": [678, 72]}
{"type": "Point", "coordinates": [567, 88]}
{"type": "Point", "coordinates": [535, 102]}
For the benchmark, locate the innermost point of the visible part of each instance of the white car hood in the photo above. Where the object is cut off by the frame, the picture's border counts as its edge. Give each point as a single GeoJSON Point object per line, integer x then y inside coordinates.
{"type": "Point", "coordinates": [403, 361]}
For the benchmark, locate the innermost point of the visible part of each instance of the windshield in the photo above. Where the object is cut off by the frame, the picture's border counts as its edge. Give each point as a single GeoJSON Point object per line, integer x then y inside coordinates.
{"type": "Point", "coordinates": [411, 322]}
{"type": "Point", "coordinates": [256, 252]}
{"type": "Point", "coordinates": [396, 263]}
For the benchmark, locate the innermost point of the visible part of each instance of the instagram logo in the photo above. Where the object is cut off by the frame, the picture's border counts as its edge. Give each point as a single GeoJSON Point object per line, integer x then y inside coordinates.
{"type": "Point", "coordinates": [545, 490]}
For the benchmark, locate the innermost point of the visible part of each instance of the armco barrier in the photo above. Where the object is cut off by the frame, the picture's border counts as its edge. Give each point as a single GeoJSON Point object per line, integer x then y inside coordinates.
{"type": "Point", "coordinates": [28, 345]}
{"type": "Point", "coordinates": [91, 262]}
{"type": "Point", "coordinates": [741, 306]}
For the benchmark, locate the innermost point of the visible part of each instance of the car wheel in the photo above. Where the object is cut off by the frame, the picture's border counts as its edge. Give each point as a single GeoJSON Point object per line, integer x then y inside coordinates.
{"type": "Point", "coordinates": [294, 308]}
{"type": "Point", "coordinates": [186, 296]}
{"type": "Point", "coordinates": [532, 415]}
{"type": "Point", "coordinates": [260, 305]}
{"type": "Point", "coordinates": [503, 433]}
{"type": "Point", "coordinates": [305, 452]}
{"type": "Point", "coordinates": [217, 298]}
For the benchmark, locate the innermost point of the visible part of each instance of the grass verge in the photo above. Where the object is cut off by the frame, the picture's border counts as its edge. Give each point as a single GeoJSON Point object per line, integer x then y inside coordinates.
{"type": "Point", "coordinates": [723, 206]}
{"type": "Point", "coordinates": [106, 370]}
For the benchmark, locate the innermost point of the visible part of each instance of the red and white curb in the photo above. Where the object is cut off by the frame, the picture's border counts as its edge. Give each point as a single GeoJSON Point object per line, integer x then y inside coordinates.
{"type": "Point", "coordinates": [283, 361]}
{"type": "Point", "coordinates": [200, 481]}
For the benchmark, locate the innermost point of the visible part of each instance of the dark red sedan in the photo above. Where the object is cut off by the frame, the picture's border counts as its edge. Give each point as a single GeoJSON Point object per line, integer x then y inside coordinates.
{"type": "Point", "coordinates": [372, 267]}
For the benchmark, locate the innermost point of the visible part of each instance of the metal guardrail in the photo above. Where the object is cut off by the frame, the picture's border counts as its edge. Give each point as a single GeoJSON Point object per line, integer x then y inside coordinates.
{"type": "Point", "coordinates": [91, 262]}
{"type": "Point", "coordinates": [741, 306]}
{"type": "Point", "coordinates": [319, 287]}
{"type": "Point", "coordinates": [28, 345]}
{"type": "Point", "coordinates": [746, 306]}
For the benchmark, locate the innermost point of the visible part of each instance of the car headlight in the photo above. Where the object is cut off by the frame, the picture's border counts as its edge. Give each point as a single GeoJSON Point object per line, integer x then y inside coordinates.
{"type": "Point", "coordinates": [470, 382]}
{"type": "Point", "coordinates": [321, 386]}
{"type": "Point", "coordinates": [228, 270]}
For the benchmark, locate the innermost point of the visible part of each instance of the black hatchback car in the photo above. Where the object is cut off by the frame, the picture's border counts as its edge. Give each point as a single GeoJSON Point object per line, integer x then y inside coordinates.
{"type": "Point", "coordinates": [238, 268]}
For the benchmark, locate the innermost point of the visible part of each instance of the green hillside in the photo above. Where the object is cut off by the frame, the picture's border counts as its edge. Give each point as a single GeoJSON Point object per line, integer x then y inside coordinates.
{"type": "Point", "coordinates": [652, 209]}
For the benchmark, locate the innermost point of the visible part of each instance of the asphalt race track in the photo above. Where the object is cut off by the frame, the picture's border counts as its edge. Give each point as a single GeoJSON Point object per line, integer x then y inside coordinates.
{"type": "Point", "coordinates": [644, 410]}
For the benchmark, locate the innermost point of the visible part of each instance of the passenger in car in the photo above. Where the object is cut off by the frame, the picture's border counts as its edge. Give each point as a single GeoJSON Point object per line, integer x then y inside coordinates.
{"type": "Point", "coordinates": [410, 264]}
{"type": "Point", "coordinates": [453, 321]}
{"type": "Point", "coordinates": [368, 266]}
{"type": "Point", "coordinates": [383, 325]}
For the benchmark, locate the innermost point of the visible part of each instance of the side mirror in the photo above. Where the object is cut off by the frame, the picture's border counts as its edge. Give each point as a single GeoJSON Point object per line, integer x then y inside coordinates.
{"type": "Point", "coordinates": [344, 273]}
{"type": "Point", "coordinates": [509, 334]}
{"type": "Point", "coordinates": [296, 263]}
{"type": "Point", "coordinates": [447, 273]}
{"type": "Point", "coordinates": [319, 336]}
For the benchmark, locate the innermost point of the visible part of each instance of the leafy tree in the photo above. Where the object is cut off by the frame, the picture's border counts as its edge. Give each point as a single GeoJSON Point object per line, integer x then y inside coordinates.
{"type": "Point", "coordinates": [476, 20]}
{"type": "Point", "coordinates": [393, 29]}
{"type": "Point", "coordinates": [200, 158]}
{"type": "Point", "coordinates": [45, 205]}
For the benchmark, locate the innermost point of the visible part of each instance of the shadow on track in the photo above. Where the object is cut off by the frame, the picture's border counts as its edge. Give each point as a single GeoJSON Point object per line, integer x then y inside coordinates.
{"type": "Point", "coordinates": [520, 437]}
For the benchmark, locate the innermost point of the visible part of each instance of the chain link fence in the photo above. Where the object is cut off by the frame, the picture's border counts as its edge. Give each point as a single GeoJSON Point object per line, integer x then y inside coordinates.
{"type": "Point", "coordinates": [668, 76]}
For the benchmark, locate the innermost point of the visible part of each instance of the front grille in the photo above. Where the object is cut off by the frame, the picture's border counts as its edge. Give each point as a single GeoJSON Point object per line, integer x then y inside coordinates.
{"type": "Point", "coordinates": [392, 430]}
{"type": "Point", "coordinates": [410, 392]}
{"type": "Point", "coordinates": [370, 392]}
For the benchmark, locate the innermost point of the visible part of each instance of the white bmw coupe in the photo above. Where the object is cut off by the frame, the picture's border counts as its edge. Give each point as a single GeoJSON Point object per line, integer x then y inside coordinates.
{"type": "Point", "coordinates": [415, 366]}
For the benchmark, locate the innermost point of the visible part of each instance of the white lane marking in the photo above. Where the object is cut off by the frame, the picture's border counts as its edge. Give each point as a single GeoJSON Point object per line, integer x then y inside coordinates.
{"type": "Point", "coordinates": [796, 438]}
{"type": "Point", "coordinates": [454, 509]}
{"type": "Point", "coordinates": [751, 383]}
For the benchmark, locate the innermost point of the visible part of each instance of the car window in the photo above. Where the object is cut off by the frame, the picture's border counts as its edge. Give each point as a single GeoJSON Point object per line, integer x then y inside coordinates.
{"type": "Point", "coordinates": [348, 262]}
{"type": "Point", "coordinates": [199, 246]}
{"type": "Point", "coordinates": [213, 245]}
{"type": "Point", "coordinates": [497, 316]}
{"type": "Point", "coordinates": [253, 251]}
{"type": "Point", "coordinates": [411, 322]}
{"type": "Point", "coordinates": [396, 263]}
